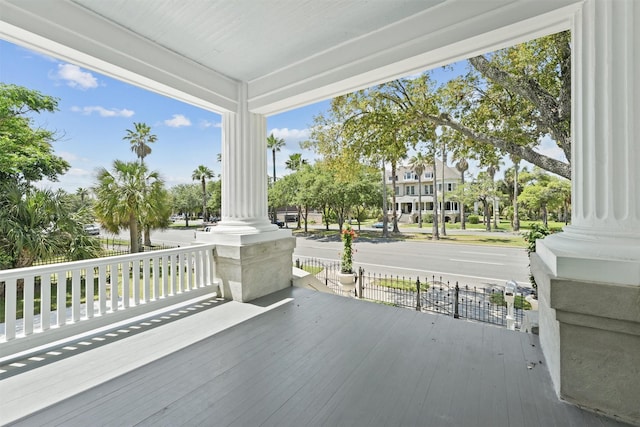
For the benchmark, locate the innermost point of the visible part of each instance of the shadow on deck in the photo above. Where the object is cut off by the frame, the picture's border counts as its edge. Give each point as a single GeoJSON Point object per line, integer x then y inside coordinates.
{"type": "Point", "coordinates": [300, 357]}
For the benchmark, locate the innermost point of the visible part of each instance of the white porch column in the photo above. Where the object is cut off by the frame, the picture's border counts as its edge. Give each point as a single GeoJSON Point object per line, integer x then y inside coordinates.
{"type": "Point", "coordinates": [589, 276]}
{"type": "Point", "coordinates": [253, 256]}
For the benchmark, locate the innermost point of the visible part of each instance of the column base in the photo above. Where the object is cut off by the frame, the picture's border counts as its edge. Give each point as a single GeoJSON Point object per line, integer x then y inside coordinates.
{"type": "Point", "coordinates": [589, 310]}
{"type": "Point", "coordinates": [254, 265]}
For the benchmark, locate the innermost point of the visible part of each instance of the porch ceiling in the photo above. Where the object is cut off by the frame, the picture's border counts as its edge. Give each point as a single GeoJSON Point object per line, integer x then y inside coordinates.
{"type": "Point", "coordinates": [289, 53]}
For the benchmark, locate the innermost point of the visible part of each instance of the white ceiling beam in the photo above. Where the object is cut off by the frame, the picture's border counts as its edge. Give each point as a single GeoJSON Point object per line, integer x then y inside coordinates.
{"type": "Point", "coordinates": [448, 33]}
{"type": "Point", "coordinates": [86, 39]}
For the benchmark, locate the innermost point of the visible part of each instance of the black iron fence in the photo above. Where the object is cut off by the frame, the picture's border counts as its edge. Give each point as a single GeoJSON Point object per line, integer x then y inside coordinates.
{"type": "Point", "coordinates": [111, 247]}
{"type": "Point", "coordinates": [428, 293]}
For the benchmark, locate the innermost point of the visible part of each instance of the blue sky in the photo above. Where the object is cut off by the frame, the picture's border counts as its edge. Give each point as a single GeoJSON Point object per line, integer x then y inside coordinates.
{"type": "Point", "coordinates": [95, 111]}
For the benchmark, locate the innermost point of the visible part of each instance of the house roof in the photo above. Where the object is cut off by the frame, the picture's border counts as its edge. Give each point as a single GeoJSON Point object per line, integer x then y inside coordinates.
{"type": "Point", "coordinates": [275, 54]}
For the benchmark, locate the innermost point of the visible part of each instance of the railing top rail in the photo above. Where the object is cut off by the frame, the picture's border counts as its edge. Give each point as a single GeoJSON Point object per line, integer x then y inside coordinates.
{"type": "Point", "coordinates": [52, 268]}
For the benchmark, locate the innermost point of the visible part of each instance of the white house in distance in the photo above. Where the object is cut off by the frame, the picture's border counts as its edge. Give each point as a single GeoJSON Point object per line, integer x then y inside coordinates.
{"type": "Point", "coordinates": [408, 191]}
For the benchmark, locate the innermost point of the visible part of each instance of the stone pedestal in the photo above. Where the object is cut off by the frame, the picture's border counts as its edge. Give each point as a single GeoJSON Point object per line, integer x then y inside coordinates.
{"type": "Point", "coordinates": [590, 334]}
{"type": "Point", "coordinates": [253, 267]}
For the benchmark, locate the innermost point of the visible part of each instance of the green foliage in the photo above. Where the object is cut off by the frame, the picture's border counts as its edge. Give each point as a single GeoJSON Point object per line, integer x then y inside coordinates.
{"type": "Point", "coordinates": [537, 231]}
{"type": "Point", "coordinates": [347, 235]}
{"type": "Point", "coordinates": [518, 302]}
{"type": "Point", "coordinates": [26, 153]}
{"type": "Point", "coordinates": [34, 223]}
{"type": "Point", "coordinates": [140, 138]}
{"type": "Point", "coordinates": [129, 197]}
{"type": "Point", "coordinates": [473, 219]}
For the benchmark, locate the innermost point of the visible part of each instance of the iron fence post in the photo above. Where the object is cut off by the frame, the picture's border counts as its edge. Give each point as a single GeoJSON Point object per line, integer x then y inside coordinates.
{"type": "Point", "coordinates": [360, 282]}
{"type": "Point", "coordinates": [418, 307]}
{"type": "Point", "coordinates": [297, 262]}
{"type": "Point", "coordinates": [456, 314]}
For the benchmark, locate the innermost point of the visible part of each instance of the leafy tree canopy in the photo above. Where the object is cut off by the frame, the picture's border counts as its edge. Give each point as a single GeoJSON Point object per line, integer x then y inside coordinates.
{"type": "Point", "coordinates": [26, 153]}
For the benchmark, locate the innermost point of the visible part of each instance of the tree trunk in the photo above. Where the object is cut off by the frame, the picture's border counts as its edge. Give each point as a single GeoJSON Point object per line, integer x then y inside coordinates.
{"type": "Point", "coordinates": [463, 222]}
{"type": "Point", "coordinates": [385, 208]}
{"type": "Point", "coordinates": [133, 234]}
{"type": "Point", "coordinates": [516, 219]}
{"type": "Point", "coordinates": [147, 236]}
{"type": "Point", "coordinates": [393, 197]}
{"type": "Point", "coordinates": [444, 213]}
{"type": "Point", "coordinates": [419, 201]}
{"type": "Point", "coordinates": [435, 235]}
{"type": "Point", "coordinates": [487, 217]}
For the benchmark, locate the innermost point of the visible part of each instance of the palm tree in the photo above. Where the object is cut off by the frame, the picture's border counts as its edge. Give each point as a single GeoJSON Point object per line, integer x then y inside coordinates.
{"type": "Point", "coordinates": [435, 233]}
{"type": "Point", "coordinates": [274, 144]}
{"type": "Point", "coordinates": [419, 163]}
{"type": "Point", "coordinates": [140, 138]}
{"type": "Point", "coordinates": [129, 196]}
{"type": "Point", "coordinates": [462, 166]}
{"type": "Point", "coordinates": [201, 173]}
{"type": "Point", "coordinates": [295, 162]}
{"type": "Point", "coordinates": [82, 192]}
{"type": "Point", "coordinates": [491, 171]}
{"type": "Point", "coordinates": [38, 224]}
{"type": "Point", "coordinates": [444, 191]}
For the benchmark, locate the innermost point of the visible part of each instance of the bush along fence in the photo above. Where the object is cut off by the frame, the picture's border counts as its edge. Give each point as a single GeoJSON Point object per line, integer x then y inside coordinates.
{"type": "Point", "coordinates": [428, 294]}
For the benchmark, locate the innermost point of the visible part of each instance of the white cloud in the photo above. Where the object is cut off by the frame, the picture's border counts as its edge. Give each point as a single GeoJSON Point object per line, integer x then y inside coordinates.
{"type": "Point", "coordinates": [75, 77]}
{"type": "Point", "coordinates": [207, 124]}
{"type": "Point", "coordinates": [290, 134]}
{"type": "Point", "coordinates": [103, 112]}
{"type": "Point", "coordinates": [177, 121]}
{"type": "Point", "coordinates": [78, 172]}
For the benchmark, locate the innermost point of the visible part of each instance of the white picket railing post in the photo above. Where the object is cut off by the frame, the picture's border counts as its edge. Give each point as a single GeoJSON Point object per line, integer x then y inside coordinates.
{"type": "Point", "coordinates": [45, 301]}
{"type": "Point", "coordinates": [27, 307]}
{"type": "Point", "coordinates": [75, 295]}
{"type": "Point", "coordinates": [10, 300]}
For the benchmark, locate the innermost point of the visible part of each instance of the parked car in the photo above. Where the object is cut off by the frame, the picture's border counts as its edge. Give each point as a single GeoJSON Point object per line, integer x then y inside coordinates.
{"type": "Point", "coordinates": [92, 229]}
{"type": "Point", "coordinates": [279, 223]}
{"type": "Point", "coordinates": [381, 225]}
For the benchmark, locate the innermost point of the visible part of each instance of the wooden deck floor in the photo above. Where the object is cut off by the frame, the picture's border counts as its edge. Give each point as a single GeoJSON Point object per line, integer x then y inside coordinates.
{"type": "Point", "coordinates": [326, 360]}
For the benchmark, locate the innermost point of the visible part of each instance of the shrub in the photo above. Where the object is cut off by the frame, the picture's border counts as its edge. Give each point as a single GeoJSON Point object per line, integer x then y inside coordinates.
{"type": "Point", "coordinates": [427, 217]}
{"type": "Point", "coordinates": [473, 219]}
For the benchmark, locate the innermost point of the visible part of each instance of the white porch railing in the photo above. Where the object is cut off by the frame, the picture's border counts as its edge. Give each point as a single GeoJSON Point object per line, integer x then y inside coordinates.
{"type": "Point", "coordinates": [102, 286]}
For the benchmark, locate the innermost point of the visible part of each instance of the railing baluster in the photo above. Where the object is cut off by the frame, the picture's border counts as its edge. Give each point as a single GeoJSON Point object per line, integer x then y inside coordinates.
{"type": "Point", "coordinates": [102, 289]}
{"type": "Point", "coordinates": [11, 298]}
{"type": "Point", "coordinates": [45, 301]}
{"type": "Point", "coordinates": [156, 278]}
{"type": "Point", "coordinates": [89, 290]}
{"type": "Point", "coordinates": [76, 289]}
{"type": "Point", "coordinates": [27, 305]}
{"type": "Point", "coordinates": [146, 286]}
{"type": "Point", "coordinates": [165, 275]}
{"type": "Point", "coordinates": [114, 286]}
{"type": "Point", "coordinates": [61, 303]}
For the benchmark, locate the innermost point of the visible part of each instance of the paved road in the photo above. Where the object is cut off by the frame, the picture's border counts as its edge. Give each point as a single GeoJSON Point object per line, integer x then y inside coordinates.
{"type": "Point", "coordinates": [469, 264]}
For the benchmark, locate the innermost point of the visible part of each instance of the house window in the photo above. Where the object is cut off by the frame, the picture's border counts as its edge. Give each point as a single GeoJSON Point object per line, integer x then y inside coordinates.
{"type": "Point", "coordinates": [428, 189]}
{"type": "Point", "coordinates": [408, 175]}
{"type": "Point", "coordinates": [439, 186]}
{"type": "Point", "coordinates": [410, 190]}
{"type": "Point", "coordinates": [428, 175]}
{"type": "Point", "coordinates": [451, 186]}
{"type": "Point", "coordinates": [397, 191]}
